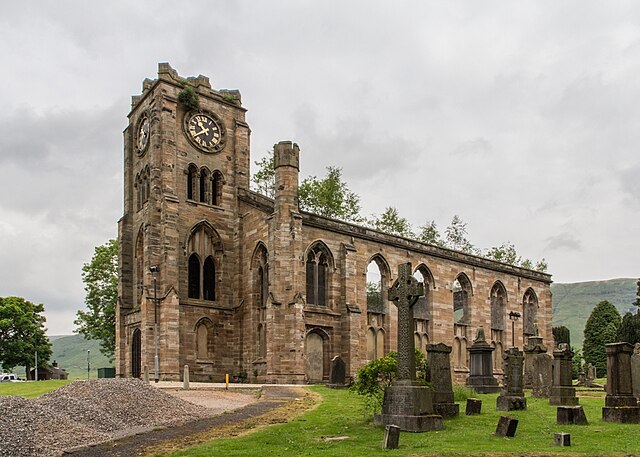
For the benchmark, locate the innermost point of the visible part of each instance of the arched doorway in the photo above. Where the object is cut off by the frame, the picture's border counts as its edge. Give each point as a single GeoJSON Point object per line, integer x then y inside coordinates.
{"type": "Point", "coordinates": [136, 349]}
{"type": "Point", "coordinates": [314, 352]}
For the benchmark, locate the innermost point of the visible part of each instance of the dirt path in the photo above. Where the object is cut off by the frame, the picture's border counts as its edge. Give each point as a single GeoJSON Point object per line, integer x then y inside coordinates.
{"type": "Point", "coordinates": [276, 405]}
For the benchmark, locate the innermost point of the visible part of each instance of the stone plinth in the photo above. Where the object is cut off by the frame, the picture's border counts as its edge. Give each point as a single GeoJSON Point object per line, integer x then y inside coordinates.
{"type": "Point", "coordinates": [562, 391]}
{"type": "Point", "coordinates": [410, 407]}
{"type": "Point", "coordinates": [481, 377]}
{"type": "Point", "coordinates": [439, 375]}
{"type": "Point", "coordinates": [507, 426]}
{"type": "Point", "coordinates": [571, 415]}
{"type": "Point", "coordinates": [337, 372]}
{"type": "Point", "coordinates": [391, 437]}
{"type": "Point", "coordinates": [620, 404]}
{"type": "Point", "coordinates": [474, 406]}
{"type": "Point", "coordinates": [562, 439]}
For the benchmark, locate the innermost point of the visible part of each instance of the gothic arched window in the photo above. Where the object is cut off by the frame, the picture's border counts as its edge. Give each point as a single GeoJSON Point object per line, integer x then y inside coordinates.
{"type": "Point", "coordinates": [317, 267]}
{"type": "Point", "coordinates": [194, 276]}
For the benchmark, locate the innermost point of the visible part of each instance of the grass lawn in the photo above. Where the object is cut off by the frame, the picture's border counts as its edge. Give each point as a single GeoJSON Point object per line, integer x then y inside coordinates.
{"type": "Point", "coordinates": [341, 414]}
{"type": "Point", "coordinates": [30, 389]}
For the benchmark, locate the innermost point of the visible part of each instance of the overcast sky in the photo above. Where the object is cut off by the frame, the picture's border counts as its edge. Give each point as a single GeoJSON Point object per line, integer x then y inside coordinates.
{"type": "Point", "coordinates": [521, 117]}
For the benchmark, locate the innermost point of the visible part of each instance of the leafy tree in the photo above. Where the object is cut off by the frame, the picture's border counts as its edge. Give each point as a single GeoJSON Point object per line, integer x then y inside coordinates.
{"type": "Point", "coordinates": [374, 295]}
{"type": "Point", "coordinates": [600, 329]}
{"type": "Point", "coordinates": [576, 363]}
{"type": "Point", "coordinates": [629, 329]}
{"type": "Point", "coordinates": [456, 237]}
{"type": "Point", "coordinates": [100, 277]}
{"type": "Point", "coordinates": [264, 180]}
{"type": "Point", "coordinates": [505, 253]}
{"type": "Point", "coordinates": [22, 333]}
{"type": "Point", "coordinates": [329, 197]}
{"type": "Point", "coordinates": [561, 334]}
{"type": "Point", "coordinates": [541, 266]}
{"type": "Point", "coordinates": [429, 234]}
{"type": "Point", "coordinates": [391, 222]}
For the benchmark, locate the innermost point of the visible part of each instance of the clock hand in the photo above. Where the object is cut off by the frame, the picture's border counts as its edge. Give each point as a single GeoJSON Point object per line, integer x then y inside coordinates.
{"type": "Point", "coordinates": [204, 130]}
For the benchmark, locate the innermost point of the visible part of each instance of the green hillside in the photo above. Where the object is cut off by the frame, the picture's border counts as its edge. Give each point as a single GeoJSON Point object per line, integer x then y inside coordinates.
{"type": "Point", "coordinates": [573, 303]}
{"type": "Point", "coordinates": [70, 351]}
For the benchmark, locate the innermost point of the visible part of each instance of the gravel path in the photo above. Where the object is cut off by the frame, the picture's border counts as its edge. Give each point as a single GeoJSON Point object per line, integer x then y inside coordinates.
{"type": "Point", "coordinates": [89, 412]}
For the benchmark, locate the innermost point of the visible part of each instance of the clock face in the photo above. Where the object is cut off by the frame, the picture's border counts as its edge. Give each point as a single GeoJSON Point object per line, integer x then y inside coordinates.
{"type": "Point", "coordinates": [205, 131]}
{"type": "Point", "coordinates": [142, 134]}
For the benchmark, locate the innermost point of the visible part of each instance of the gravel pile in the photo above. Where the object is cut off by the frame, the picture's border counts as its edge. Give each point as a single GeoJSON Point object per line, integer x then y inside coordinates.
{"type": "Point", "coordinates": [86, 412]}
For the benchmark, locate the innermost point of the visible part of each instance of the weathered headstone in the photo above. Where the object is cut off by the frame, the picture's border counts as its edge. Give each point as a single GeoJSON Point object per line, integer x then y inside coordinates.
{"type": "Point", "coordinates": [406, 403]}
{"type": "Point", "coordinates": [533, 347]}
{"type": "Point", "coordinates": [511, 396]}
{"type": "Point", "coordinates": [537, 367]}
{"type": "Point", "coordinates": [571, 415]}
{"type": "Point", "coordinates": [562, 439]}
{"type": "Point", "coordinates": [635, 370]}
{"type": "Point", "coordinates": [391, 437]}
{"type": "Point", "coordinates": [439, 375]}
{"type": "Point", "coordinates": [337, 372]}
{"type": "Point", "coordinates": [507, 426]}
{"type": "Point", "coordinates": [185, 378]}
{"type": "Point", "coordinates": [481, 377]}
{"type": "Point", "coordinates": [620, 404]}
{"type": "Point", "coordinates": [474, 406]}
{"type": "Point", "coordinates": [562, 392]}
{"type": "Point", "coordinates": [591, 373]}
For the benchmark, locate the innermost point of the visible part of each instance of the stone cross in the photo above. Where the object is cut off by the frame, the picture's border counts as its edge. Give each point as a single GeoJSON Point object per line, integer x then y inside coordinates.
{"type": "Point", "coordinates": [405, 292]}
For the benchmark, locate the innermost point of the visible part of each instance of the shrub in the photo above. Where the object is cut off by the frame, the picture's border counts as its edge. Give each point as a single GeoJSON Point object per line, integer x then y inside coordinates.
{"type": "Point", "coordinates": [188, 98]}
{"type": "Point", "coordinates": [461, 393]}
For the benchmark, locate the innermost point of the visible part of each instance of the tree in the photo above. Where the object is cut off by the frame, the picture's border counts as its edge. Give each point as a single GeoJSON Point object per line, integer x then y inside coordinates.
{"type": "Point", "coordinates": [561, 334]}
{"type": "Point", "coordinates": [629, 330]}
{"type": "Point", "coordinates": [100, 277]}
{"type": "Point", "coordinates": [429, 234]}
{"type": "Point", "coordinates": [374, 295]}
{"type": "Point", "coordinates": [456, 237]}
{"type": "Point", "coordinates": [541, 266]}
{"type": "Point", "coordinates": [391, 222]}
{"type": "Point", "coordinates": [22, 334]}
{"type": "Point", "coordinates": [600, 329]}
{"type": "Point", "coordinates": [264, 180]}
{"type": "Point", "coordinates": [329, 197]}
{"type": "Point", "coordinates": [505, 253]}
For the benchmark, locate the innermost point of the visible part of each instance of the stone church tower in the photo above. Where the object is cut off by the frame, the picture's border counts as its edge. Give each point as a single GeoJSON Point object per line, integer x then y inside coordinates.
{"type": "Point", "coordinates": [225, 280]}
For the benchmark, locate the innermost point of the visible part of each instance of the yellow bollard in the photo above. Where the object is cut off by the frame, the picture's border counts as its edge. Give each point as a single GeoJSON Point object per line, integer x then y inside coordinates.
{"type": "Point", "coordinates": [226, 381]}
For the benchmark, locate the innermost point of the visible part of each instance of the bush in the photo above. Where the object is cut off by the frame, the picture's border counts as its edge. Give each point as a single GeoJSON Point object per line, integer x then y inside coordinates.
{"type": "Point", "coordinates": [461, 393]}
{"type": "Point", "coordinates": [375, 376]}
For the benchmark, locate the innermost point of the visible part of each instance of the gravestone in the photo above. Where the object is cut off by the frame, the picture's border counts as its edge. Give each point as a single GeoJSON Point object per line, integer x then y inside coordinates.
{"type": "Point", "coordinates": [511, 396]}
{"type": "Point", "coordinates": [407, 403]}
{"type": "Point", "coordinates": [337, 372]}
{"type": "Point", "coordinates": [537, 367]}
{"type": "Point", "coordinates": [620, 404]}
{"type": "Point", "coordinates": [391, 437]}
{"type": "Point", "coordinates": [439, 375]}
{"type": "Point", "coordinates": [591, 373]}
{"type": "Point", "coordinates": [635, 370]}
{"type": "Point", "coordinates": [474, 406]}
{"type": "Point", "coordinates": [571, 415]}
{"type": "Point", "coordinates": [562, 439]}
{"type": "Point", "coordinates": [562, 392]}
{"type": "Point", "coordinates": [507, 426]}
{"type": "Point", "coordinates": [481, 377]}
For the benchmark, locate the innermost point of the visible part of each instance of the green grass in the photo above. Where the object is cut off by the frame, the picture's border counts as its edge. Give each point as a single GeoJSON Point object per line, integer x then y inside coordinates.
{"type": "Point", "coordinates": [342, 414]}
{"type": "Point", "coordinates": [29, 389]}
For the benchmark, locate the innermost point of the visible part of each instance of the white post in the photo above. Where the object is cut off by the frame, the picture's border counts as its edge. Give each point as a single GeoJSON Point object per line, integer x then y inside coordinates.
{"type": "Point", "coordinates": [36, 368]}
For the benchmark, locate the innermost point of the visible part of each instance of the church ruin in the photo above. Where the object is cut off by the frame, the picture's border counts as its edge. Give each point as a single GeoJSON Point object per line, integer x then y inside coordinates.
{"type": "Point", "coordinates": [217, 277]}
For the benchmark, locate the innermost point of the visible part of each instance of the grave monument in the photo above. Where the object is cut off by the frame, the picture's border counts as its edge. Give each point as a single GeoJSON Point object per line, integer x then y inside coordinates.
{"type": "Point", "coordinates": [562, 392]}
{"type": "Point", "coordinates": [481, 378]}
{"type": "Point", "coordinates": [620, 404]}
{"type": "Point", "coordinates": [511, 396]}
{"type": "Point", "coordinates": [439, 375]}
{"type": "Point", "coordinates": [407, 403]}
{"type": "Point", "coordinates": [537, 367]}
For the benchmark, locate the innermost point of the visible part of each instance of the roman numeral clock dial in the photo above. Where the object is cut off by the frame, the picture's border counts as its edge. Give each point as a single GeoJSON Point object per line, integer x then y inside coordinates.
{"type": "Point", "coordinates": [204, 131]}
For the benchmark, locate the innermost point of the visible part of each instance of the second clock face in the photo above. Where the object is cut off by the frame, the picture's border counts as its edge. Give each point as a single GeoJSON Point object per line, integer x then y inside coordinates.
{"type": "Point", "coordinates": [204, 131]}
{"type": "Point", "coordinates": [142, 134]}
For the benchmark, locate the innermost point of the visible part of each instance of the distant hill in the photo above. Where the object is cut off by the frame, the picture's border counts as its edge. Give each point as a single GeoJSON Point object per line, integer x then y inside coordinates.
{"type": "Point", "coordinates": [573, 303]}
{"type": "Point", "coordinates": [70, 351]}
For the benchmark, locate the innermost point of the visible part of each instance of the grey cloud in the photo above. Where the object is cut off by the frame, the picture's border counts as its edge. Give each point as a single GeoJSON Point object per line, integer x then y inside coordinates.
{"type": "Point", "coordinates": [563, 241]}
{"type": "Point", "coordinates": [476, 147]}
